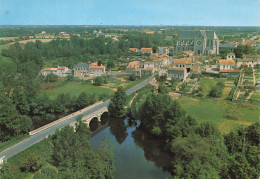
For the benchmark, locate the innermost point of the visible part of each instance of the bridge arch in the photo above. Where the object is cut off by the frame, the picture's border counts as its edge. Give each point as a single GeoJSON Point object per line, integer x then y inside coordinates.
{"type": "Point", "coordinates": [93, 123]}
{"type": "Point", "coordinates": [104, 118]}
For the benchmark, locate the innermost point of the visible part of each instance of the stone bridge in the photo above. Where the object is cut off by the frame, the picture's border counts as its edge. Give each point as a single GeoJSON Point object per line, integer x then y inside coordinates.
{"type": "Point", "coordinates": [94, 116]}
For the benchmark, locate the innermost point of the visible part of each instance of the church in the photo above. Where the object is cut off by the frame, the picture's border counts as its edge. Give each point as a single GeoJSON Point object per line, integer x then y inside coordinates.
{"type": "Point", "coordinates": [202, 42]}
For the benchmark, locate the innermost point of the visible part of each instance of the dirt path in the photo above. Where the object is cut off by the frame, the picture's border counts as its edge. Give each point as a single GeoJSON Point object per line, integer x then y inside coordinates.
{"type": "Point", "coordinates": [133, 99]}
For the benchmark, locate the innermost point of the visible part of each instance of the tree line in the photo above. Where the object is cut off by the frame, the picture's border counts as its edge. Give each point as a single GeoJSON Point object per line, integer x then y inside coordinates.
{"type": "Point", "coordinates": [197, 150]}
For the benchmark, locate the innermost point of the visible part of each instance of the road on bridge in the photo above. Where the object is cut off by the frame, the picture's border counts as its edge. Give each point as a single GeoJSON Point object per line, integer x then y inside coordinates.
{"type": "Point", "coordinates": [45, 133]}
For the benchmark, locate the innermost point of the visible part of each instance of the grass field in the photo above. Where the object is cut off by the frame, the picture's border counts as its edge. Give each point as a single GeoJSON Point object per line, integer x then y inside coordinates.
{"type": "Point", "coordinates": [216, 110]}
{"type": "Point", "coordinates": [208, 83]}
{"type": "Point", "coordinates": [74, 88]}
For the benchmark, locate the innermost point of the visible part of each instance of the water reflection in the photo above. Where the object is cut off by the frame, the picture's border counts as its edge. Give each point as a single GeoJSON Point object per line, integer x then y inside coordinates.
{"type": "Point", "coordinates": [153, 149]}
{"type": "Point", "coordinates": [118, 129]}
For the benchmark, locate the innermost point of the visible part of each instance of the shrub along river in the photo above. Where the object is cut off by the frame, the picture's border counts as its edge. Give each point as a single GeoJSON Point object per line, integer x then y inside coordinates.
{"type": "Point", "coordinates": [137, 154]}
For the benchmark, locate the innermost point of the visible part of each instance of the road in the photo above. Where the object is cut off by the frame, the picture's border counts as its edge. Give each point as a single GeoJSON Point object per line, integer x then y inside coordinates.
{"type": "Point", "coordinates": [45, 133]}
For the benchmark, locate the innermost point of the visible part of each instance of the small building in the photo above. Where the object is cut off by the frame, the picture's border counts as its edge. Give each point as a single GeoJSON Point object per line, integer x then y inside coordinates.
{"type": "Point", "coordinates": [49, 70]}
{"type": "Point", "coordinates": [246, 62]}
{"type": "Point", "coordinates": [163, 50]}
{"type": "Point", "coordinates": [147, 50]}
{"type": "Point", "coordinates": [81, 69]}
{"type": "Point", "coordinates": [178, 73]}
{"type": "Point", "coordinates": [144, 72]}
{"type": "Point", "coordinates": [226, 64]}
{"type": "Point", "coordinates": [133, 49]}
{"type": "Point", "coordinates": [183, 63]}
{"type": "Point", "coordinates": [148, 65]}
{"type": "Point", "coordinates": [134, 64]}
{"type": "Point", "coordinates": [230, 56]}
{"type": "Point", "coordinates": [62, 71]}
{"type": "Point", "coordinates": [97, 70]}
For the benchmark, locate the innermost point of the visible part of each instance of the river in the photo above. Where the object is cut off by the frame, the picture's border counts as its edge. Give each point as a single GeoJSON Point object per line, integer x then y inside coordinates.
{"type": "Point", "coordinates": [137, 154]}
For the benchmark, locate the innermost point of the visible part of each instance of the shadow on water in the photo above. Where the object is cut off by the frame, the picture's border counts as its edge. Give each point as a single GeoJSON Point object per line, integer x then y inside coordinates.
{"type": "Point", "coordinates": [118, 129]}
{"type": "Point", "coordinates": [153, 149]}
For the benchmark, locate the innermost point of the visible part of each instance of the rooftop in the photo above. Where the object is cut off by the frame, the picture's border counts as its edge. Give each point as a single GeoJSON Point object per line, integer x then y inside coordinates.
{"type": "Point", "coordinates": [183, 61]}
{"type": "Point", "coordinates": [226, 62]}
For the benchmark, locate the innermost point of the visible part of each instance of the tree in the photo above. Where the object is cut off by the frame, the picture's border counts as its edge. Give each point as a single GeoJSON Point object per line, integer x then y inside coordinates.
{"type": "Point", "coordinates": [132, 77]}
{"type": "Point", "coordinates": [98, 81]}
{"type": "Point", "coordinates": [99, 62]}
{"type": "Point", "coordinates": [110, 64]}
{"type": "Point", "coordinates": [51, 78]}
{"type": "Point", "coordinates": [33, 163]}
{"type": "Point", "coordinates": [116, 107]}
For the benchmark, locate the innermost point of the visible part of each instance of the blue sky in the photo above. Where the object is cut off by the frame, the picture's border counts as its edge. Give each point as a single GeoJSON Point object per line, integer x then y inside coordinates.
{"type": "Point", "coordinates": [130, 12]}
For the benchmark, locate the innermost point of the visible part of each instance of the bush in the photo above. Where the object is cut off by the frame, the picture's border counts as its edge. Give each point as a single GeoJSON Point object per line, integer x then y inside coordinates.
{"type": "Point", "coordinates": [230, 96]}
{"type": "Point", "coordinates": [98, 81]}
{"type": "Point", "coordinates": [51, 78]}
{"type": "Point", "coordinates": [132, 77]}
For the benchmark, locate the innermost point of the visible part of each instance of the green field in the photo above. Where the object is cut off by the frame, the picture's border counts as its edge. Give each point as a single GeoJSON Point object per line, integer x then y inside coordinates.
{"type": "Point", "coordinates": [208, 83]}
{"type": "Point", "coordinates": [216, 110]}
{"type": "Point", "coordinates": [74, 88]}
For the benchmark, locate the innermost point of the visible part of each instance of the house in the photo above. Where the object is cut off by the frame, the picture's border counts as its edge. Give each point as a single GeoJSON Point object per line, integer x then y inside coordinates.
{"type": "Point", "coordinates": [62, 71]}
{"type": "Point", "coordinates": [81, 69]}
{"type": "Point", "coordinates": [163, 50]}
{"type": "Point", "coordinates": [97, 70]}
{"type": "Point", "coordinates": [201, 42]}
{"type": "Point", "coordinates": [48, 70]}
{"type": "Point", "coordinates": [178, 73]}
{"type": "Point", "coordinates": [246, 62]}
{"type": "Point", "coordinates": [188, 53]}
{"type": "Point", "coordinates": [143, 72]}
{"type": "Point", "coordinates": [183, 63]}
{"type": "Point", "coordinates": [147, 50]}
{"type": "Point", "coordinates": [148, 65]}
{"type": "Point", "coordinates": [226, 64]}
{"type": "Point", "coordinates": [227, 48]}
{"type": "Point", "coordinates": [135, 64]}
{"type": "Point", "coordinates": [230, 56]}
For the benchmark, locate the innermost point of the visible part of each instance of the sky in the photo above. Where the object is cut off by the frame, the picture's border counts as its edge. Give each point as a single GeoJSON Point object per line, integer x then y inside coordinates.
{"type": "Point", "coordinates": [130, 12]}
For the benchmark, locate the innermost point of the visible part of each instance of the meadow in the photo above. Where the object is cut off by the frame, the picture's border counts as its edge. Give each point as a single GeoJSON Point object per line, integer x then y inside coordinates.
{"type": "Point", "coordinates": [74, 88]}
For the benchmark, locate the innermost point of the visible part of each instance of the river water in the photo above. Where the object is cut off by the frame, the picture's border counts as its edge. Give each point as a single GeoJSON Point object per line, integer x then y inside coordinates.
{"type": "Point", "coordinates": [137, 154]}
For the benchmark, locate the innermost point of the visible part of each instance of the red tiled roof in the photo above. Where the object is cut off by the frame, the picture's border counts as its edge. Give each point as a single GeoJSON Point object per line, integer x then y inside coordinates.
{"type": "Point", "coordinates": [146, 49]}
{"type": "Point", "coordinates": [183, 61]}
{"type": "Point", "coordinates": [226, 62]}
{"type": "Point", "coordinates": [97, 67]}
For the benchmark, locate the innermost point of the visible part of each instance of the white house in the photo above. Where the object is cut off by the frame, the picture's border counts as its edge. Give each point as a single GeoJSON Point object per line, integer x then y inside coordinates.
{"type": "Point", "coordinates": [183, 63]}
{"type": "Point", "coordinates": [226, 64]}
{"type": "Point", "coordinates": [247, 62]}
{"type": "Point", "coordinates": [97, 70]}
{"type": "Point", "coordinates": [48, 70]}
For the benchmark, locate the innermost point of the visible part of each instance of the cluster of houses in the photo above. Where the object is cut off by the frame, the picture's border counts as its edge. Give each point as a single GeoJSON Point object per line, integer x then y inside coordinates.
{"type": "Point", "coordinates": [80, 70]}
{"type": "Point", "coordinates": [231, 64]}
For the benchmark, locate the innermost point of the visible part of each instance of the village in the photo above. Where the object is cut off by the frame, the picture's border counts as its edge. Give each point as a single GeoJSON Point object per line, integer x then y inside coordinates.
{"type": "Point", "coordinates": [195, 55]}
